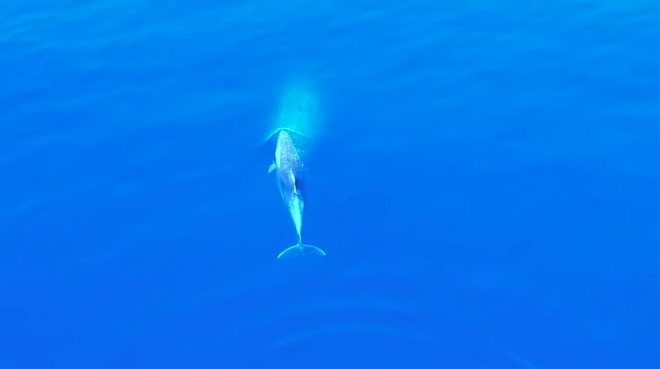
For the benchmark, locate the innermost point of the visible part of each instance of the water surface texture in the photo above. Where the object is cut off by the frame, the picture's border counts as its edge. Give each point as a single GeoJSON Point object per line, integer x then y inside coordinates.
{"type": "Point", "coordinates": [485, 180]}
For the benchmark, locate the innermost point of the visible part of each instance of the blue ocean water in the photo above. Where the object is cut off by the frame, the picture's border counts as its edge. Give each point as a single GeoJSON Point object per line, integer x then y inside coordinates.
{"type": "Point", "coordinates": [484, 178]}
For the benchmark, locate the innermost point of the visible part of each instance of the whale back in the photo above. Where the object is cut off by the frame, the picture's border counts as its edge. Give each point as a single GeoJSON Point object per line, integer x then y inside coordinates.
{"type": "Point", "coordinates": [287, 156]}
{"type": "Point", "coordinates": [289, 163]}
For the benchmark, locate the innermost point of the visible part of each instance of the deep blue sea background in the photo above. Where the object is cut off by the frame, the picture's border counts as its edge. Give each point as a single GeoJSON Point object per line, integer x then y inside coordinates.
{"type": "Point", "coordinates": [486, 184]}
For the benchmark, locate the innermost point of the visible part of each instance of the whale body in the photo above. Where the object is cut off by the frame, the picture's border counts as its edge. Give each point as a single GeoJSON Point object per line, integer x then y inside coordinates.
{"type": "Point", "coordinates": [288, 168]}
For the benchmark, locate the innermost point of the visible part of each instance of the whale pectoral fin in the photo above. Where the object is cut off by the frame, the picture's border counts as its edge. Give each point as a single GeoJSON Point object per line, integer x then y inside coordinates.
{"type": "Point", "coordinates": [272, 167]}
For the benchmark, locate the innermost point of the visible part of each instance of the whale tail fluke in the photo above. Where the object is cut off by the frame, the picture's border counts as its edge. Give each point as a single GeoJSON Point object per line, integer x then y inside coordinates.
{"type": "Point", "coordinates": [300, 250]}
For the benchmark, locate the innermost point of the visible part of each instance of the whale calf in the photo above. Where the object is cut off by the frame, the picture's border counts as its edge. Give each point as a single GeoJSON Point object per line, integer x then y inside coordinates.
{"type": "Point", "coordinates": [288, 168]}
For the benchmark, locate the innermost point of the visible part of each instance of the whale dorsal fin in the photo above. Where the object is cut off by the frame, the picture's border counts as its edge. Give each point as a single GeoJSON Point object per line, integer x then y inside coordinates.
{"type": "Point", "coordinates": [272, 167]}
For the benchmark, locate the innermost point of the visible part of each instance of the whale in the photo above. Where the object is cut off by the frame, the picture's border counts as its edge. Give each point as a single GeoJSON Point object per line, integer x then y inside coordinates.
{"type": "Point", "coordinates": [288, 168]}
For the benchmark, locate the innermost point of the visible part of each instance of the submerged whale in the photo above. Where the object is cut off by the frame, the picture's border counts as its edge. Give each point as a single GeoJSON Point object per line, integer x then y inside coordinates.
{"type": "Point", "coordinates": [288, 168]}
